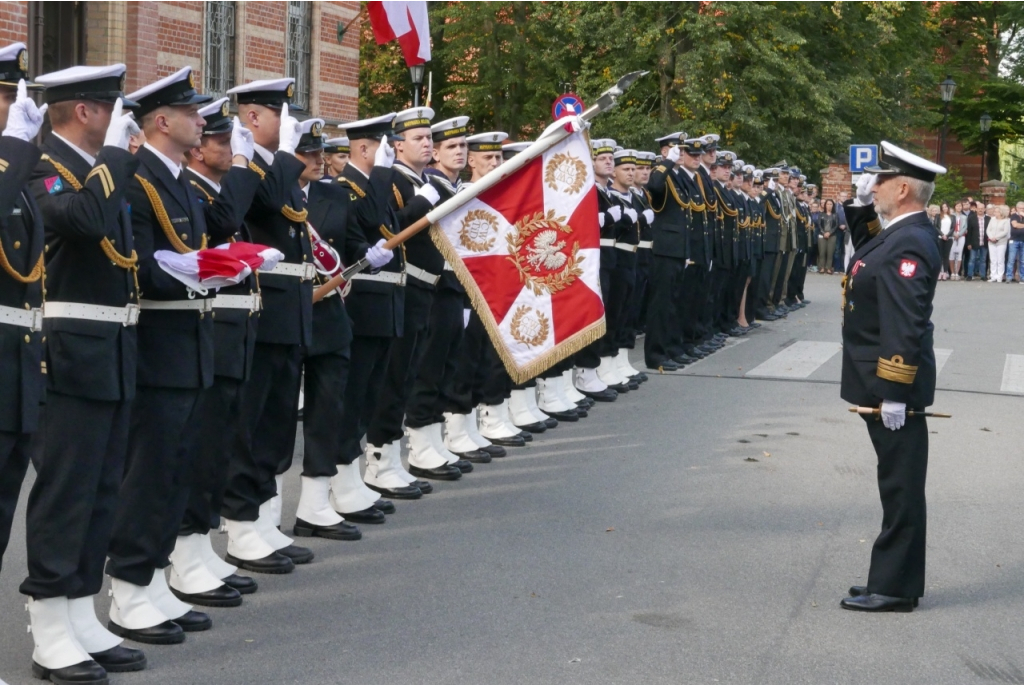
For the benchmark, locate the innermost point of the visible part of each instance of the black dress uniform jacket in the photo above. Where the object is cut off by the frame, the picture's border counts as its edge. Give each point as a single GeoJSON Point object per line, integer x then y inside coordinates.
{"type": "Point", "coordinates": [772, 204]}
{"type": "Point", "coordinates": [887, 330]}
{"type": "Point", "coordinates": [671, 206]}
{"type": "Point", "coordinates": [702, 219]}
{"type": "Point", "coordinates": [287, 316]}
{"type": "Point", "coordinates": [21, 240]}
{"type": "Point", "coordinates": [176, 345]}
{"type": "Point", "coordinates": [90, 359]}
{"type": "Point", "coordinates": [420, 250]}
{"type": "Point", "coordinates": [234, 330]}
{"type": "Point", "coordinates": [376, 308]}
{"type": "Point", "coordinates": [329, 214]}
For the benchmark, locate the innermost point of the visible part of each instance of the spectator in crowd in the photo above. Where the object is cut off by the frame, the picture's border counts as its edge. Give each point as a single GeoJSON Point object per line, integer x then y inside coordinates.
{"type": "Point", "coordinates": [844, 248]}
{"type": "Point", "coordinates": [946, 224]}
{"type": "Point", "coordinates": [1015, 251]}
{"type": "Point", "coordinates": [827, 227]}
{"type": "Point", "coordinates": [998, 233]}
{"type": "Point", "coordinates": [974, 241]}
{"type": "Point", "coordinates": [956, 252]}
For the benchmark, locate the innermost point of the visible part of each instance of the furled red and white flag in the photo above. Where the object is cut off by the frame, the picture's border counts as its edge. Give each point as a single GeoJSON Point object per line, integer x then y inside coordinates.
{"type": "Point", "coordinates": [528, 252]}
{"type": "Point", "coordinates": [219, 266]}
{"type": "Point", "coordinates": [405, 20]}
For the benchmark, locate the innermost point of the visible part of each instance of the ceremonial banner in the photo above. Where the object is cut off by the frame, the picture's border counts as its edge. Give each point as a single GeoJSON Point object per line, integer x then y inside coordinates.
{"type": "Point", "coordinates": [527, 250]}
{"type": "Point", "coordinates": [405, 20]}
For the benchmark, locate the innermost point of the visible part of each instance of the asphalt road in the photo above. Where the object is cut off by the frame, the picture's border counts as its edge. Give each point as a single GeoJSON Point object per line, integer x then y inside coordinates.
{"type": "Point", "coordinates": [700, 530]}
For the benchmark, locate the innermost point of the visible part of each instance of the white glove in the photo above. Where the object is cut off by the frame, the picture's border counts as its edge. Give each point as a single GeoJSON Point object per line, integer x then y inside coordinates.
{"type": "Point", "coordinates": [673, 154]}
{"type": "Point", "coordinates": [385, 155]}
{"type": "Point", "coordinates": [121, 128]}
{"type": "Point", "coordinates": [600, 219]}
{"type": "Point", "coordinates": [24, 119]}
{"type": "Point", "coordinates": [572, 124]}
{"type": "Point", "coordinates": [894, 415]}
{"type": "Point", "coordinates": [430, 192]}
{"type": "Point", "coordinates": [631, 213]}
{"type": "Point", "coordinates": [241, 141]}
{"type": "Point", "coordinates": [615, 212]}
{"type": "Point", "coordinates": [378, 255]}
{"type": "Point", "coordinates": [864, 185]}
{"type": "Point", "coordinates": [290, 132]}
{"type": "Point", "coordinates": [771, 184]}
{"type": "Point", "coordinates": [465, 317]}
{"type": "Point", "coordinates": [649, 216]}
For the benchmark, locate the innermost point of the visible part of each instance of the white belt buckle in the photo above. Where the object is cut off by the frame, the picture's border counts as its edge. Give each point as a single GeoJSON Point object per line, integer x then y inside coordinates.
{"type": "Point", "coordinates": [207, 305]}
{"type": "Point", "coordinates": [37, 320]}
{"type": "Point", "coordinates": [308, 271]}
{"type": "Point", "coordinates": [257, 302]}
{"type": "Point", "coordinates": [132, 315]}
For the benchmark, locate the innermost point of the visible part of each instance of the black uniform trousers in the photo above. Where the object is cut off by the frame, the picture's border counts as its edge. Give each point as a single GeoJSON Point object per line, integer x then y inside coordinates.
{"type": "Point", "coordinates": [74, 498]}
{"type": "Point", "coordinates": [497, 384]}
{"type": "Point", "coordinates": [325, 380]}
{"type": "Point", "coordinates": [162, 442]}
{"type": "Point", "coordinates": [692, 296]}
{"type": "Point", "coordinates": [471, 368]}
{"type": "Point", "coordinates": [220, 430]}
{"type": "Point", "coordinates": [719, 315]}
{"type": "Point", "coordinates": [764, 281]}
{"type": "Point", "coordinates": [797, 277]}
{"type": "Point", "coordinates": [435, 375]}
{"type": "Point", "coordinates": [367, 369]}
{"type": "Point", "coordinates": [404, 358]}
{"type": "Point", "coordinates": [14, 458]}
{"type": "Point", "coordinates": [637, 319]}
{"type": "Point", "coordinates": [665, 311]}
{"type": "Point", "coordinates": [270, 406]}
{"type": "Point", "coordinates": [898, 555]}
{"type": "Point", "coordinates": [621, 278]}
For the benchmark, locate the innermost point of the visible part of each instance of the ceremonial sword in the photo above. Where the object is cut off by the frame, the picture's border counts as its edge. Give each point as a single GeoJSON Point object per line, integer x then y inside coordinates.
{"type": "Point", "coordinates": [875, 411]}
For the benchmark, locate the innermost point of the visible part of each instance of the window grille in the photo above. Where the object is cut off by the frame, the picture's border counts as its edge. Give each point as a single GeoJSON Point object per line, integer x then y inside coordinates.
{"type": "Point", "coordinates": [219, 68]}
{"type": "Point", "coordinates": [299, 40]}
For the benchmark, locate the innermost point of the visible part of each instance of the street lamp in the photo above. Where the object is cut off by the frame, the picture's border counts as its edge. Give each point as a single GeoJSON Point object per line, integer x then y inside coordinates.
{"type": "Point", "coordinates": [946, 89]}
{"type": "Point", "coordinates": [986, 124]}
{"type": "Point", "coordinates": [416, 73]}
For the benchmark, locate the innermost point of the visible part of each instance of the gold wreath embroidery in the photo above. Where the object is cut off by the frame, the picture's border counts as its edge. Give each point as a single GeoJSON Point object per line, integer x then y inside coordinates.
{"type": "Point", "coordinates": [477, 231]}
{"type": "Point", "coordinates": [530, 326]}
{"type": "Point", "coordinates": [567, 170]}
{"type": "Point", "coordinates": [544, 253]}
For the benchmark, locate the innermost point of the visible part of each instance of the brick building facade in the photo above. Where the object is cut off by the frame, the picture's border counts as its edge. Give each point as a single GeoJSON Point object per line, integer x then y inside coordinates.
{"type": "Point", "coordinates": [226, 43]}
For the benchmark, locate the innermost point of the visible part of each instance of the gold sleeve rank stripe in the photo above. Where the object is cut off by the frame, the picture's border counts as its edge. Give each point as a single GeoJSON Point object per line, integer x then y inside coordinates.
{"type": "Point", "coordinates": [105, 178]}
{"type": "Point", "coordinates": [896, 371]}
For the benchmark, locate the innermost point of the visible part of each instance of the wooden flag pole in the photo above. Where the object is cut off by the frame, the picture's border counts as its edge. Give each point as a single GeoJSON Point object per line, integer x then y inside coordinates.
{"type": "Point", "coordinates": [875, 411]}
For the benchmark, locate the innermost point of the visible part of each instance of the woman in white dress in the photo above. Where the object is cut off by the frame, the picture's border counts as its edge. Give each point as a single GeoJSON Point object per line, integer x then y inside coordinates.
{"type": "Point", "coordinates": [998, 233]}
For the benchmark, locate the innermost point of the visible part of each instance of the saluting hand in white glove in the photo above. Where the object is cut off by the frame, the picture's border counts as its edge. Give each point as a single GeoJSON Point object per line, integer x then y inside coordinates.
{"type": "Point", "coordinates": [865, 184]}
{"type": "Point", "coordinates": [673, 154]}
{"type": "Point", "coordinates": [385, 155]}
{"type": "Point", "coordinates": [241, 141]}
{"type": "Point", "coordinates": [290, 132]}
{"type": "Point", "coordinates": [121, 128]}
{"type": "Point", "coordinates": [24, 118]}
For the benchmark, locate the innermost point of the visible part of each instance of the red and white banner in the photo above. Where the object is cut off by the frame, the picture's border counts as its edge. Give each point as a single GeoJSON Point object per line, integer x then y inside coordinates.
{"type": "Point", "coordinates": [219, 266]}
{"type": "Point", "coordinates": [405, 20]}
{"type": "Point", "coordinates": [528, 252]}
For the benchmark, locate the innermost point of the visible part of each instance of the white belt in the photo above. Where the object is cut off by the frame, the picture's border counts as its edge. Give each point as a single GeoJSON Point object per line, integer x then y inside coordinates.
{"type": "Point", "coordinates": [305, 271]}
{"type": "Point", "coordinates": [646, 244]}
{"type": "Point", "coordinates": [200, 304]}
{"type": "Point", "coordinates": [251, 302]}
{"type": "Point", "coordinates": [394, 277]}
{"type": "Point", "coordinates": [31, 319]}
{"type": "Point", "coordinates": [421, 274]}
{"type": "Point", "coordinates": [448, 267]}
{"type": "Point", "coordinates": [607, 242]}
{"type": "Point", "coordinates": [127, 315]}
{"type": "Point", "coordinates": [625, 247]}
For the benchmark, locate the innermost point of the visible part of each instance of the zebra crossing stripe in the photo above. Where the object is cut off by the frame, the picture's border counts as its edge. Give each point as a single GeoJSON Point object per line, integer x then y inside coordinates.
{"type": "Point", "coordinates": [1013, 374]}
{"type": "Point", "coordinates": [941, 357]}
{"type": "Point", "coordinates": [799, 360]}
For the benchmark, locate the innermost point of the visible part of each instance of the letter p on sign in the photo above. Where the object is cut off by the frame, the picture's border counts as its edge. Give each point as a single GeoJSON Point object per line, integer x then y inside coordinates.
{"type": "Point", "coordinates": [862, 156]}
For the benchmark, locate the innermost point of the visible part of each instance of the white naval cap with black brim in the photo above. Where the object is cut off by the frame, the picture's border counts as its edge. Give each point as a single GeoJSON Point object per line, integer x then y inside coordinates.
{"type": "Point", "coordinates": [895, 161]}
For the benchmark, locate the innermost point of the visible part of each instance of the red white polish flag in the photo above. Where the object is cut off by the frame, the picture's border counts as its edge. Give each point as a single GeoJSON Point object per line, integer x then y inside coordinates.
{"type": "Point", "coordinates": [527, 250]}
{"type": "Point", "coordinates": [405, 20]}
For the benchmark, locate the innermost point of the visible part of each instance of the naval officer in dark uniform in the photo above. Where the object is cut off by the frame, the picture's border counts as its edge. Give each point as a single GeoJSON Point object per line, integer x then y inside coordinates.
{"type": "Point", "coordinates": [80, 186]}
{"type": "Point", "coordinates": [175, 355]}
{"type": "Point", "coordinates": [889, 361]}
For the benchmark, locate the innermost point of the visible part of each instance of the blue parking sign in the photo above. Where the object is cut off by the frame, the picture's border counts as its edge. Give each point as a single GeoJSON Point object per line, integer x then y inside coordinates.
{"type": "Point", "coordinates": [862, 156]}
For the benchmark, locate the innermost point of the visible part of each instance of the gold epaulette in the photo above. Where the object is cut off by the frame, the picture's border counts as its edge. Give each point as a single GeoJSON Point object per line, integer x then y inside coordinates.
{"type": "Point", "coordinates": [261, 172]}
{"type": "Point", "coordinates": [201, 189]}
{"type": "Point", "coordinates": [165, 221]}
{"type": "Point", "coordinates": [353, 187]}
{"type": "Point", "coordinates": [293, 215]}
{"type": "Point", "coordinates": [895, 370]}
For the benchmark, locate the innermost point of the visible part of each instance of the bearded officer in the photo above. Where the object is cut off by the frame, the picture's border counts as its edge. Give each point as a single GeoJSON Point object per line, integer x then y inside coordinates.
{"type": "Point", "coordinates": [80, 186]}
{"type": "Point", "coordinates": [276, 218]}
{"type": "Point", "coordinates": [175, 365]}
{"type": "Point", "coordinates": [889, 361]}
{"type": "Point", "coordinates": [218, 171]}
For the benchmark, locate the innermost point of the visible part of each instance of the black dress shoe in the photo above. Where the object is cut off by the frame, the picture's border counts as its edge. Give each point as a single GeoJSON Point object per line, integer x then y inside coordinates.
{"type": "Point", "coordinates": [620, 388]}
{"type": "Point", "coordinates": [632, 384]}
{"type": "Point", "coordinates": [553, 423]}
{"type": "Point", "coordinates": [298, 555]}
{"type": "Point", "coordinates": [511, 441]}
{"type": "Point", "coordinates": [406, 492]}
{"type": "Point", "coordinates": [464, 465]}
{"type": "Point", "coordinates": [684, 359]}
{"type": "Point", "coordinates": [496, 451]}
{"type": "Point", "coordinates": [371, 515]}
{"type": "Point", "coordinates": [805, 302]}
{"type": "Point", "coordinates": [861, 590]}
{"type": "Point", "coordinates": [244, 584]}
{"type": "Point", "coordinates": [694, 352]}
{"type": "Point", "coordinates": [606, 395]}
{"type": "Point", "coordinates": [667, 365]}
{"type": "Point", "coordinates": [339, 531]}
{"type": "Point", "coordinates": [120, 659]}
{"type": "Point", "coordinates": [425, 487]}
{"type": "Point", "coordinates": [639, 377]}
{"type": "Point", "coordinates": [386, 506]}
{"type": "Point", "coordinates": [581, 412]}
{"type": "Point", "coordinates": [754, 324]}
{"type": "Point", "coordinates": [527, 437]}
{"type": "Point", "coordinates": [223, 596]}
{"type": "Point", "coordinates": [535, 427]}
{"type": "Point", "coordinates": [194, 622]}
{"type": "Point", "coordinates": [568, 415]}
{"type": "Point", "coordinates": [166, 633]}
{"type": "Point", "coordinates": [476, 456]}
{"type": "Point", "coordinates": [272, 563]}
{"type": "Point", "coordinates": [878, 603]}
{"type": "Point", "coordinates": [587, 402]}
{"type": "Point", "coordinates": [445, 472]}
{"type": "Point", "coordinates": [85, 672]}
